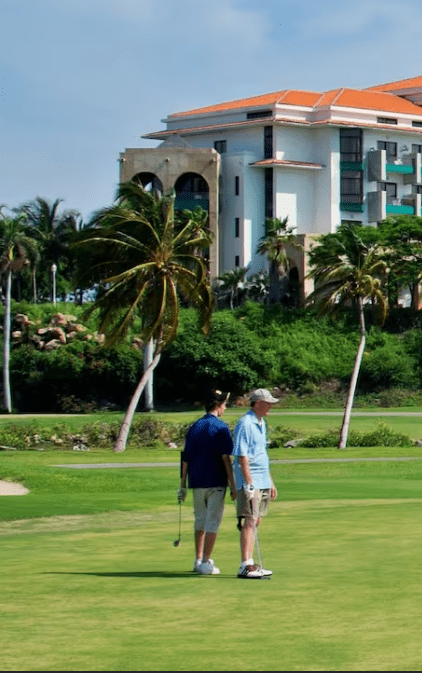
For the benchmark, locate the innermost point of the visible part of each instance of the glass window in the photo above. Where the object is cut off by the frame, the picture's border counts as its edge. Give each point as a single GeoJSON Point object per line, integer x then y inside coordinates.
{"type": "Point", "coordinates": [386, 120]}
{"type": "Point", "coordinates": [391, 189]}
{"type": "Point", "coordinates": [390, 148]}
{"type": "Point", "coordinates": [351, 187]}
{"type": "Point", "coordinates": [237, 185]}
{"type": "Point", "coordinates": [237, 227]}
{"type": "Point", "coordinates": [268, 192]}
{"type": "Point", "coordinates": [220, 146]}
{"type": "Point", "coordinates": [416, 148]}
{"type": "Point", "coordinates": [351, 145]}
{"type": "Point", "coordinates": [259, 114]}
{"type": "Point", "coordinates": [268, 142]}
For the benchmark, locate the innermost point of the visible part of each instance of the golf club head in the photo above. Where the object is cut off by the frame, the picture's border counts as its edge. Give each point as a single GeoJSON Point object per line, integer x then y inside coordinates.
{"type": "Point", "coordinates": [176, 543]}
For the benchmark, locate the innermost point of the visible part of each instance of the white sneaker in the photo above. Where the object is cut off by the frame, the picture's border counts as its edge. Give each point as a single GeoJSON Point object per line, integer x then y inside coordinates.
{"type": "Point", "coordinates": [265, 573]}
{"type": "Point", "coordinates": [208, 568]}
{"type": "Point", "coordinates": [196, 565]}
{"type": "Point", "coordinates": [250, 572]}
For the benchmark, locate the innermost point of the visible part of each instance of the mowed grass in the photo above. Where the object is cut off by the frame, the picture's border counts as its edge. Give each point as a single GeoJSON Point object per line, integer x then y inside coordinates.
{"type": "Point", "coordinates": [91, 579]}
{"type": "Point", "coordinates": [111, 592]}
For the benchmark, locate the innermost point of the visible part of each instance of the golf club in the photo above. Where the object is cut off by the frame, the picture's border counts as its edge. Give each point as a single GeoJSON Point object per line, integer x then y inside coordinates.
{"type": "Point", "coordinates": [177, 542]}
{"type": "Point", "coordinates": [265, 577]}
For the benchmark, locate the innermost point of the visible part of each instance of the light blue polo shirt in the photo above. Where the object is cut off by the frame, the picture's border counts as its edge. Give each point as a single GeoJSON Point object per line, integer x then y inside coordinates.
{"type": "Point", "coordinates": [250, 439]}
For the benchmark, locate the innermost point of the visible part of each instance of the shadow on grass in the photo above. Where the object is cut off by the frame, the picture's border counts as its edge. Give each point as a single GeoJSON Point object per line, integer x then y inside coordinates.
{"type": "Point", "coordinates": [147, 573]}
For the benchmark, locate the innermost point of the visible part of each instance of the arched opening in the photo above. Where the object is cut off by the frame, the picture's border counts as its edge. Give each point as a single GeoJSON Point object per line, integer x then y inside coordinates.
{"type": "Point", "coordinates": [149, 182]}
{"type": "Point", "coordinates": [294, 287]}
{"type": "Point", "coordinates": [191, 191]}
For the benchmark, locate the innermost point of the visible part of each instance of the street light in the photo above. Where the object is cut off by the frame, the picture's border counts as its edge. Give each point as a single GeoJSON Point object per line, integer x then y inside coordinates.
{"type": "Point", "coordinates": [53, 271]}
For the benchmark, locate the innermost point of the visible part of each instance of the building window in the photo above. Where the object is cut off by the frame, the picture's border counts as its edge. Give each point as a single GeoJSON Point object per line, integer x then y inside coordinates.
{"type": "Point", "coordinates": [391, 189]}
{"type": "Point", "coordinates": [236, 227]}
{"type": "Point", "coordinates": [417, 124]}
{"type": "Point", "coordinates": [237, 185]}
{"type": "Point", "coordinates": [390, 148]}
{"type": "Point", "coordinates": [268, 192]}
{"type": "Point", "coordinates": [237, 261]}
{"type": "Point", "coordinates": [416, 148]}
{"type": "Point", "coordinates": [351, 145]}
{"type": "Point", "coordinates": [220, 146]}
{"type": "Point", "coordinates": [386, 120]}
{"type": "Point", "coordinates": [259, 114]}
{"type": "Point", "coordinates": [268, 142]}
{"type": "Point", "coordinates": [416, 189]}
{"type": "Point", "coordinates": [351, 187]}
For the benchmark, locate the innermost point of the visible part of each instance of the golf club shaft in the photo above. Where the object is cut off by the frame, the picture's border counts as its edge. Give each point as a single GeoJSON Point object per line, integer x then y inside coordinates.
{"type": "Point", "coordinates": [257, 542]}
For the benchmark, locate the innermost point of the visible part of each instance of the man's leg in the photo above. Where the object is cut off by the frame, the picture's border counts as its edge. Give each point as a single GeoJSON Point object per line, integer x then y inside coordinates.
{"type": "Point", "coordinates": [214, 513]}
{"type": "Point", "coordinates": [208, 546]}
{"type": "Point", "coordinates": [199, 544]}
{"type": "Point", "coordinates": [247, 539]}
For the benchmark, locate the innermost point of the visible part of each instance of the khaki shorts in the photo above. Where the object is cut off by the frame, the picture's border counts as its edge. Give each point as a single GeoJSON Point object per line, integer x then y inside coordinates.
{"type": "Point", "coordinates": [208, 507]}
{"type": "Point", "coordinates": [256, 507]}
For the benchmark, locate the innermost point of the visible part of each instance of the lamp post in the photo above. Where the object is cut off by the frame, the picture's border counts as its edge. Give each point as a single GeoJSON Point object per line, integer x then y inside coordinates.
{"type": "Point", "coordinates": [53, 271]}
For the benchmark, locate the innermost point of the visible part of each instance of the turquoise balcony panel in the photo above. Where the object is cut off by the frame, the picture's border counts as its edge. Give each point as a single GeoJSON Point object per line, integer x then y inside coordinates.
{"type": "Point", "coordinates": [352, 207]}
{"type": "Point", "coordinates": [352, 166]}
{"type": "Point", "coordinates": [400, 210]}
{"type": "Point", "coordinates": [400, 168]}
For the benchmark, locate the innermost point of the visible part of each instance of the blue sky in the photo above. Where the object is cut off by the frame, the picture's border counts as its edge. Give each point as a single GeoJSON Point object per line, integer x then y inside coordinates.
{"type": "Point", "coordinates": [81, 80]}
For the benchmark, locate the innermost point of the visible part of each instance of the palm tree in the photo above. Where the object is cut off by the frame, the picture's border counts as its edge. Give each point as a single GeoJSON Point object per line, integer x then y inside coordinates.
{"type": "Point", "coordinates": [258, 286]}
{"type": "Point", "coordinates": [233, 284]}
{"type": "Point", "coordinates": [144, 265]}
{"type": "Point", "coordinates": [273, 244]}
{"type": "Point", "coordinates": [53, 231]}
{"type": "Point", "coordinates": [17, 250]}
{"type": "Point", "coordinates": [346, 270]}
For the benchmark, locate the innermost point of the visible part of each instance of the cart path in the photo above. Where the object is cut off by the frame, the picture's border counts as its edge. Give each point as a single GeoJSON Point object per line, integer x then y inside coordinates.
{"type": "Point", "coordinates": [92, 466]}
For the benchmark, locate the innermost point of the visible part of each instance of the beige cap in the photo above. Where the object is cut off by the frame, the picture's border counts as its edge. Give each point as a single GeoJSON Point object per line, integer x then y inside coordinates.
{"type": "Point", "coordinates": [263, 395]}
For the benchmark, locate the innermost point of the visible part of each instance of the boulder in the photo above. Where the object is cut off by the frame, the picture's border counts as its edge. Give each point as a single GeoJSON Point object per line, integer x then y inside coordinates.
{"type": "Point", "coordinates": [52, 344]}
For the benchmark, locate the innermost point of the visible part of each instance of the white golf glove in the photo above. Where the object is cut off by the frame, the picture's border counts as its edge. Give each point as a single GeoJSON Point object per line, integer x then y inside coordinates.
{"type": "Point", "coordinates": [181, 494]}
{"type": "Point", "coordinates": [249, 490]}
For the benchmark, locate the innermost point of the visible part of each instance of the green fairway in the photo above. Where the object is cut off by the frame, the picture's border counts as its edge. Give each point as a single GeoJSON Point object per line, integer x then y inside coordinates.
{"type": "Point", "coordinates": [92, 581]}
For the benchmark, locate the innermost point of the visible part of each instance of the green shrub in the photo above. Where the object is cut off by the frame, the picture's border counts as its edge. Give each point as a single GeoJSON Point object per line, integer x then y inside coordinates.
{"type": "Point", "coordinates": [231, 357]}
{"type": "Point", "coordinates": [382, 436]}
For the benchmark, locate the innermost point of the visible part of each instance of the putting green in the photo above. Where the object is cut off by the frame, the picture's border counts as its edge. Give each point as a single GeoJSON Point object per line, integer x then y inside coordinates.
{"type": "Point", "coordinates": [110, 592]}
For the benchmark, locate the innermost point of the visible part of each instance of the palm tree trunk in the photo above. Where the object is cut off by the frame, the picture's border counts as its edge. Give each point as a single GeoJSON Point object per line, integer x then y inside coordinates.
{"type": "Point", "coordinates": [351, 395]}
{"type": "Point", "coordinates": [7, 399]}
{"type": "Point", "coordinates": [149, 394]}
{"type": "Point", "coordinates": [127, 421]}
{"type": "Point", "coordinates": [34, 286]}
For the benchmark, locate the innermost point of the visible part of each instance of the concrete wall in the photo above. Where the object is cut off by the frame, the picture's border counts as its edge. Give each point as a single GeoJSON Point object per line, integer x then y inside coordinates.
{"type": "Point", "coordinates": [168, 164]}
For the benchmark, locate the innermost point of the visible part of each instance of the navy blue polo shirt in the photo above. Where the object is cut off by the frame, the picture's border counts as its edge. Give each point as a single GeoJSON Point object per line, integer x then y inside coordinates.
{"type": "Point", "coordinates": [206, 442]}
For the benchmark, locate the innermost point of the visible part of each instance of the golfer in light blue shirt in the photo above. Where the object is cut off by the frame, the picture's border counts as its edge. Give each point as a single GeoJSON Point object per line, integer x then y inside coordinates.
{"type": "Point", "coordinates": [254, 484]}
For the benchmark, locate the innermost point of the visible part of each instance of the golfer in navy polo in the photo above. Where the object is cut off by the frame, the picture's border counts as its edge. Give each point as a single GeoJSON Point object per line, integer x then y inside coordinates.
{"type": "Point", "coordinates": [207, 465]}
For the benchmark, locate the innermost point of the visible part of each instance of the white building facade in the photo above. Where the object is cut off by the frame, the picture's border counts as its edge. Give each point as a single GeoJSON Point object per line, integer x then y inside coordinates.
{"type": "Point", "coordinates": [318, 158]}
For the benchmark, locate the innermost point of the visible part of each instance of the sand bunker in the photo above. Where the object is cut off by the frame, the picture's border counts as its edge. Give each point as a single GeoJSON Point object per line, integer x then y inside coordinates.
{"type": "Point", "coordinates": [9, 488]}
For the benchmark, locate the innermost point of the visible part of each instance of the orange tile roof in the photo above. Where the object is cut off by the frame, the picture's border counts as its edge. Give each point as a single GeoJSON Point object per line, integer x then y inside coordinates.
{"type": "Point", "coordinates": [288, 97]}
{"type": "Point", "coordinates": [368, 99]}
{"type": "Point", "coordinates": [374, 100]}
{"type": "Point", "coordinates": [411, 83]}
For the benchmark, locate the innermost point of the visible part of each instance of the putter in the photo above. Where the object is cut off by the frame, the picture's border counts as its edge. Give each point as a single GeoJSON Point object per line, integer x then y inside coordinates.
{"type": "Point", "coordinates": [265, 577]}
{"type": "Point", "coordinates": [177, 542]}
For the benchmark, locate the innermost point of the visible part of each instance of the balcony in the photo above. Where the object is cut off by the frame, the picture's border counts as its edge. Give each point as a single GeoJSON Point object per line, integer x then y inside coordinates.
{"type": "Point", "coordinates": [379, 167]}
{"type": "Point", "coordinates": [379, 206]}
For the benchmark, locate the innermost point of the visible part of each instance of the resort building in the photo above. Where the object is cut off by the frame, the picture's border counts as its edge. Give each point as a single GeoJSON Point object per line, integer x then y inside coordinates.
{"type": "Point", "coordinates": [319, 158]}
